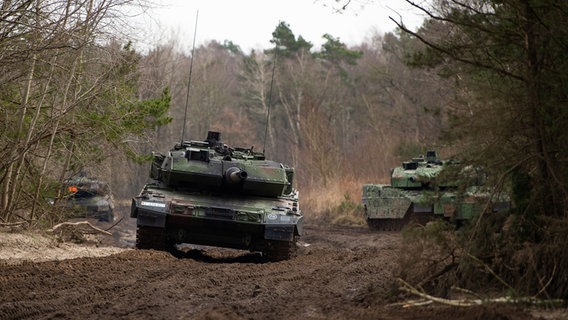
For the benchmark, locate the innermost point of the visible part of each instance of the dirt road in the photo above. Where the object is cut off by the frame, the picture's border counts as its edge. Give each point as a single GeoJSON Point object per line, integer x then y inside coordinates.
{"type": "Point", "coordinates": [340, 273]}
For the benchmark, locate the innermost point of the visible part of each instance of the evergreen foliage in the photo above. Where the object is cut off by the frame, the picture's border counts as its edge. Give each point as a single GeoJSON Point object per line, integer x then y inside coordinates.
{"type": "Point", "coordinates": [508, 61]}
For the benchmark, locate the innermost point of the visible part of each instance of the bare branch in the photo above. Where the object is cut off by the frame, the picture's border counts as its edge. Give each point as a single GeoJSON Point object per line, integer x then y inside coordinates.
{"type": "Point", "coordinates": [80, 223]}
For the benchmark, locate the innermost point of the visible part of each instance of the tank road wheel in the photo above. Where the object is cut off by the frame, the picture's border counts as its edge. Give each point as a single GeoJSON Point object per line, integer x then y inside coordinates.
{"type": "Point", "coordinates": [280, 250]}
{"type": "Point", "coordinates": [150, 238]}
{"type": "Point", "coordinates": [422, 218]}
{"type": "Point", "coordinates": [387, 224]}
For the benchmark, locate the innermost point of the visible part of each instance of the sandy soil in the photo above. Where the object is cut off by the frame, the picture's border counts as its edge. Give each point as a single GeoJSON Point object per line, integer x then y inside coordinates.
{"type": "Point", "coordinates": [340, 273]}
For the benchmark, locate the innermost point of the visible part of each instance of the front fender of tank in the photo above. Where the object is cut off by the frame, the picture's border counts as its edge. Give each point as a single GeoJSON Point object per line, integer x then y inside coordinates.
{"type": "Point", "coordinates": [283, 232]}
{"type": "Point", "coordinates": [148, 215]}
{"type": "Point", "coordinates": [300, 226]}
{"type": "Point", "coordinates": [386, 202]}
{"type": "Point", "coordinates": [133, 209]}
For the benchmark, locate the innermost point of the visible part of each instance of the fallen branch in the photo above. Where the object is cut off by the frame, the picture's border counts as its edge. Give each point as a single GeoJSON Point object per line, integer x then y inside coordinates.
{"type": "Point", "coordinates": [119, 221]}
{"type": "Point", "coordinates": [468, 292]}
{"type": "Point", "coordinates": [13, 224]}
{"type": "Point", "coordinates": [77, 224]}
{"type": "Point", "coordinates": [473, 302]}
{"type": "Point", "coordinates": [459, 303]}
{"type": "Point", "coordinates": [412, 303]}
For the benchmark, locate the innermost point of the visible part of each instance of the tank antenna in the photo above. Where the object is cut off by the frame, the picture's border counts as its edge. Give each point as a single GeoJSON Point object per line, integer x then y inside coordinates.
{"type": "Point", "coordinates": [189, 81]}
{"type": "Point", "coordinates": [269, 99]}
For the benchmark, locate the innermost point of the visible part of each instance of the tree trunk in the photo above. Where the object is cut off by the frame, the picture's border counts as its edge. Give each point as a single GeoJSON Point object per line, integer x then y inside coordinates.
{"type": "Point", "coordinates": [12, 177]}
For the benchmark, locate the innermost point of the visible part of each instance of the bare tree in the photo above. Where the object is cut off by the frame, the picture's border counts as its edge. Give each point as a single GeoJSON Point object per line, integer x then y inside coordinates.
{"type": "Point", "coordinates": [68, 92]}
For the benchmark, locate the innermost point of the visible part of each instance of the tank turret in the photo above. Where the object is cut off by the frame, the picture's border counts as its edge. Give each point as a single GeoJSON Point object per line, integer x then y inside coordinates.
{"type": "Point", "coordinates": [419, 173]}
{"type": "Point", "coordinates": [212, 165]}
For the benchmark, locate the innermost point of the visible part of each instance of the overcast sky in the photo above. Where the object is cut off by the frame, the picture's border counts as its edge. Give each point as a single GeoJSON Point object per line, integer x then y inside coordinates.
{"type": "Point", "coordinates": [250, 23]}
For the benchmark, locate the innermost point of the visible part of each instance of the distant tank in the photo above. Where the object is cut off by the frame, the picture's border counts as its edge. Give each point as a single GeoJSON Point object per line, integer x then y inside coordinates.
{"type": "Point", "coordinates": [86, 197]}
{"type": "Point", "coordinates": [207, 193]}
{"type": "Point", "coordinates": [427, 188]}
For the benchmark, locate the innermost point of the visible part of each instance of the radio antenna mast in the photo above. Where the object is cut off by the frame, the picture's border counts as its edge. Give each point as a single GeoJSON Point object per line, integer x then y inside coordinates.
{"type": "Point", "coordinates": [269, 99]}
{"type": "Point", "coordinates": [189, 81]}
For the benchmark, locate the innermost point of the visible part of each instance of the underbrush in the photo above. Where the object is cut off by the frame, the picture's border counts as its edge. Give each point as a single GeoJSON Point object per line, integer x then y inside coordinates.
{"type": "Point", "coordinates": [489, 257]}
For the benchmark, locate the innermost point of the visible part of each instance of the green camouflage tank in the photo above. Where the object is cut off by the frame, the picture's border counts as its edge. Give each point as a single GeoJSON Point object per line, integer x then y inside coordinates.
{"type": "Point", "coordinates": [426, 188]}
{"type": "Point", "coordinates": [207, 193]}
{"type": "Point", "coordinates": [86, 197]}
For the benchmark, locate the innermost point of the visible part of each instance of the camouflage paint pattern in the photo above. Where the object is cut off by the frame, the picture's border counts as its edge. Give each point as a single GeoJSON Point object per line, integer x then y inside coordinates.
{"type": "Point", "coordinates": [210, 194]}
{"type": "Point", "coordinates": [420, 191]}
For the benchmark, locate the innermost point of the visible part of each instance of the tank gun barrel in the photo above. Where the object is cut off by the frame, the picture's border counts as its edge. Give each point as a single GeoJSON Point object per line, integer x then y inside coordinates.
{"type": "Point", "coordinates": [235, 175]}
{"type": "Point", "coordinates": [422, 178]}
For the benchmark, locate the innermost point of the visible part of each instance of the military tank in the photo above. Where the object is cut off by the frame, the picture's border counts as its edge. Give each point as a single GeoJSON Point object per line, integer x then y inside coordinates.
{"type": "Point", "coordinates": [207, 193]}
{"type": "Point", "coordinates": [427, 188]}
{"type": "Point", "coordinates": [86, 197]}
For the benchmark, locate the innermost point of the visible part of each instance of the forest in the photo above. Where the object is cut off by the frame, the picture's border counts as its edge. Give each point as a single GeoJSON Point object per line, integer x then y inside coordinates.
{"type": "Point", "coordinates": [482, 81]}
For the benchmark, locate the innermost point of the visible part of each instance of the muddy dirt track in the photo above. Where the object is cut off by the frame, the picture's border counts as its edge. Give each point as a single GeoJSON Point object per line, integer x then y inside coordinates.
{"type": "Point", "coordinates": [340, 273]}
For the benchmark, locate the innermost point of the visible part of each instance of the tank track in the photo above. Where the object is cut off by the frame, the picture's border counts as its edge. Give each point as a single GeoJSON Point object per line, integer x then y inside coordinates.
{"type": "Point", "coordinates": [280, 250]}
{"type": "Point", "coordinates": [151, 238]}
{"type": "Point", "coordinates": [389, 224]}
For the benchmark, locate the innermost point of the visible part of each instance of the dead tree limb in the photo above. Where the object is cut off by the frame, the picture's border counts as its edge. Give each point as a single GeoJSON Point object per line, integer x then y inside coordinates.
{"type": "Point", "coordinates": [474, 302]}
{"type": "Point", "coordinates": [77, 224]}
{"type": "Point", "coordinates": [13, 224]}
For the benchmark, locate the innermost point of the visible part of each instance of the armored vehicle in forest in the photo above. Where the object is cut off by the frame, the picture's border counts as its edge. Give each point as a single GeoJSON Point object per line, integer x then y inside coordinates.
{"type": "Point", "coordinates": [207, 193]}
{"type": "Point", "coordinates": [86, 197]}
{"type": "Point", "coordinates": [427, 188]}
